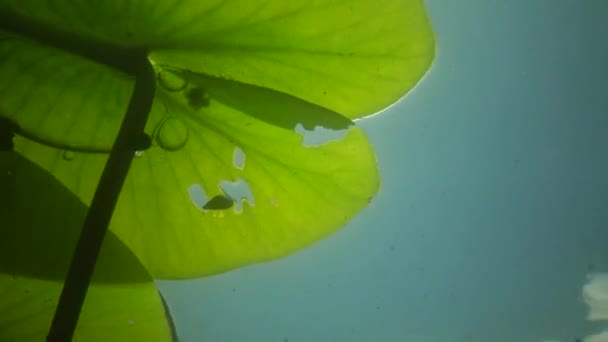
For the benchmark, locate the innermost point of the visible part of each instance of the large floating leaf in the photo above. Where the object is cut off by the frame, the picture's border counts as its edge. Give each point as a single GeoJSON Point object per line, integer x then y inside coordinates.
{"type": "Point", "coordinates": [324, 51]}
{"type": "Point", "coordinates": [298, 193]}
{"type": "Point", "coordinates": [236, 78]}
{"type": "Point", "coordinates": [122, 303]}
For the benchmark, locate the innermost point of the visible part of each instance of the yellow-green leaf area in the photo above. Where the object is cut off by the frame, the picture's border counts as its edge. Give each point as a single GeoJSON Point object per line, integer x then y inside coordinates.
{"type": "Point", "coordinates": [299, 193]}
{"type": "Point", "coordinates": [59, 98]}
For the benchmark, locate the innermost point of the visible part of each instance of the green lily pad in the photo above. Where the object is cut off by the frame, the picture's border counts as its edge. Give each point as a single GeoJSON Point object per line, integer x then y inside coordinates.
{"type": "Point", "coordinates": [299, 193]}
{"type": "Point", "coordinates": [122, 303]}
{"type": "Point", "coordinates": [326, 52]}
{"type": "Point", "coordinates": [235, 78]}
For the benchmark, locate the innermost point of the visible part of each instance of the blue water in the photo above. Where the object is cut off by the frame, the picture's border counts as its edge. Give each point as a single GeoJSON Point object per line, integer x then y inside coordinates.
{"type": "Point", "coordinates": [493, 209]}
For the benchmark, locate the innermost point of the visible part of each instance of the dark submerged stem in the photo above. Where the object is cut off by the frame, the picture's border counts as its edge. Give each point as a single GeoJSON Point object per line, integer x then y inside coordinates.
{"type": "Point", "coordinates": [96, 223]}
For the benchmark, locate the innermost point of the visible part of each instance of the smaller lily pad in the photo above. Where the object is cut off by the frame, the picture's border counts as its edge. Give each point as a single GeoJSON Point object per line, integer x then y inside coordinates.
{"type": "Point", "coordinates": [40, 223]}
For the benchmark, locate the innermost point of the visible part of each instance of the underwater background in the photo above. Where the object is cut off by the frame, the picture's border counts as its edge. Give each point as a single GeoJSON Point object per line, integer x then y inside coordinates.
{"type": "Point", "coordinates": [493, 208]}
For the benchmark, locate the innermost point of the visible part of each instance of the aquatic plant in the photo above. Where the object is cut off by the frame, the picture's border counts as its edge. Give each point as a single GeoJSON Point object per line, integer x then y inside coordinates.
{"type": "Point", "coordinates": [216, 163]}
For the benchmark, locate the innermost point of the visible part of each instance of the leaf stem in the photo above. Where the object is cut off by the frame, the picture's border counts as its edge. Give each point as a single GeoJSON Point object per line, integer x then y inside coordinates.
{"type": "Point", "coordinates": [104, 201]}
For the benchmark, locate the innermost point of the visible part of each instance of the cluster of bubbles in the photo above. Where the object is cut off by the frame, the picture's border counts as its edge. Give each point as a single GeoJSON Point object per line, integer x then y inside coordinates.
{"type": "Point", "coordinates": [171, 133]}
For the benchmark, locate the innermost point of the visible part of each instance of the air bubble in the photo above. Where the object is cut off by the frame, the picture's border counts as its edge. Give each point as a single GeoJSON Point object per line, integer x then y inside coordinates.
{"type": "Point", "coordinates": [68, 155]}
{"type": "Point", "coordinates": [139, 153]}
{"type": "Point", "coordinates": [171, 81]}
{"type": "Point", "coordinates": [172, 134]}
